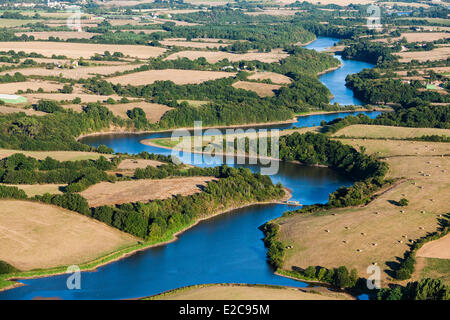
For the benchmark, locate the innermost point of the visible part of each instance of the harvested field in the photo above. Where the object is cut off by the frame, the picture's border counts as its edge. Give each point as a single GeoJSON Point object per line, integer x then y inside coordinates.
{"type": "Point", "coordinates": [177, 76]}
{"type": "Point", "coordinates": [77, 73]}
{"type": "Point", "coordinates": [325, 2]}
{"type": "Point", "coordinates": [425, 36]}
{"type": "Point", "coordinates": [35, 235]}
{"type": "Point", "coordinates": [216, 56]}
{"type": "Point", "coordinates": [131, 22]}
{"type": "Point", "coordinates": [177, 22]}
{"type": "Point", "coordinates": [376, 132]}
{"type": "Point", "coordinates": [37, 189]}
{"type": "Point", "coordinates": [146, 31]}
{"type": "Point", "coordinates": [153, 111]}
{"type": "Point", "coordinates": [262, 89]}
{"type": "Point", "coordinates": [34, 97]}
{"type": "Point", "coordinates": [250, 292]}
{"type": "Point", "coordinates": [16, 22]}
{"type": "Point", "coordinates": [273, 12]}
{"type": "Point", "coordinates": [106, 193]}
{"type": "Point", "coordinates": [274, 77]}
{"type": "Point", "coordinates": [58, 155]}
{"type": "Point", "coordinates": [384, 148]}
{"type": "Point", "coordinates": [30, 112]}
{"type": "Point", "coordinates": [406, 4]}
{"type": "Point", "coordinates": [441, 70]}
{"type": "Point", "coordinates": [193, 44]}
{"type": "Point", "coordinates": [77, 50]}
{"type": "Point", "coordinates": [378, 232]}
{"type": "Point", "coordinates": [63, 35]}
{"type": "Point", "coordinates": [432, 268]}
{"type": "Point", "coordinates": [133, 164]}
{"type": "Point", "coordinates": [13, 87]}
{"type": "Point", "coordinates": [436, 249]}
{"type": "Point", "coordinates": [435, 54]}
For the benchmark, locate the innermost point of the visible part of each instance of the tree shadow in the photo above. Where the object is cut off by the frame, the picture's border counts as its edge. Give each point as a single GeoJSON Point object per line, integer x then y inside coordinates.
{"type": "Point", "coordinates": [395, 203]}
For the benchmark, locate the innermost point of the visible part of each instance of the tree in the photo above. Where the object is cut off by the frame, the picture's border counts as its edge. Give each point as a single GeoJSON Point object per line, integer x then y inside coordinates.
{"type": "Point", "coordinates": [342, 278]}
{"type": "Point", "coordinates": [310, 272]}
{"type": "Point", "coordinates": [48, 106]}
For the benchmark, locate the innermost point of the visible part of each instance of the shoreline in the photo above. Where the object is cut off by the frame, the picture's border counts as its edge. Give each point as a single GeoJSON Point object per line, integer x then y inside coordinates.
{"type": "Point", "coordinates": [254, 124]}
{"type": "Point", "coordinates": [174, 237]}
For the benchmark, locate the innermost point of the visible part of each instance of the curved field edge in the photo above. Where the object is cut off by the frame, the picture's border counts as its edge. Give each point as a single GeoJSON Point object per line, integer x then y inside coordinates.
{"type": "Point", "coordinates": [267, 292]}
{"type": "Point", "coordinates": [9, 281]}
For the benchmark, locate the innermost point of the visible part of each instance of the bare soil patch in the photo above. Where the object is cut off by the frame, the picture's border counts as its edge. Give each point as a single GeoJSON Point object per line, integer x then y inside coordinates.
{"type": "Point", "coordinates": [106, 193]}
{"type": "Point", "coordinates": [175, 75]}
{"type": "Point", "coordinates": [35, 235]}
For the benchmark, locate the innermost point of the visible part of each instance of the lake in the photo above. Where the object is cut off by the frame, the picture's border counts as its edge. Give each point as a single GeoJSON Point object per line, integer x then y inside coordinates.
{"type": "Point", "coordinates": [227, 248]}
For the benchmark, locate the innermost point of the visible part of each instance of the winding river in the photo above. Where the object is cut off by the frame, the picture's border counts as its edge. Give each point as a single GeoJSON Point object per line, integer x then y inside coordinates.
{"type": "Point", "coordinates": [226, 248]}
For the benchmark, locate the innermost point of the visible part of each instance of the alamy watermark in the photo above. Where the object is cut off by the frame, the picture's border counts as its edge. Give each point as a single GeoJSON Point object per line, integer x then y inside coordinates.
{"type": "Point", "coordinates": [74, 280]}
{"type": "Point", "coordinates": [239, 146]}
{"type": "Point", "coordinates": [374, 280]}
{"type": "Point", "coordinates": [374, 18]}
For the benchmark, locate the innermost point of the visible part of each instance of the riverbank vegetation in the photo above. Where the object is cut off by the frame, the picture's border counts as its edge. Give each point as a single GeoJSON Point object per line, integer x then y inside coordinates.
{"type": "Point", "coordinates": [351, 235]}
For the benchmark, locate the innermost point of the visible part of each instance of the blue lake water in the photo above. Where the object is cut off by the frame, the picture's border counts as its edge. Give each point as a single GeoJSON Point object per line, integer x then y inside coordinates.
{"type": "Point", "coordinates": [335, 81]}
{"type": "Point", "coordinates": [226, 248]}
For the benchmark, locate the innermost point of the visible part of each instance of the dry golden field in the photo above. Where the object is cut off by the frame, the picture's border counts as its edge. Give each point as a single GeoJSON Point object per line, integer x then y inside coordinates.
{"type": "Point", "coordinates": [153, 111]}
{"type": "Point", "coordinates": [63, 35]}
{"type": "Point", "coordinates": [77, 50]}
{"type": "Point", "coordinates": [13, 87]}
{"type": "Point", "coordinates": [273, 12]}
{"type": "Point", "coordinates": [77, 73]}
{"type": "Point", "coordinates": [177, 76]}
{"type": "Point", "coordinates": [106, 193]}
{"type": "Point", "coordinates": [248, 292]}
{"type": "Point", "coordinates": [425, 36]}
{"type": "Point", "coordinates": [375, 132]}
{"type": "Point", "coordinates": [85, 98]}
{"type": "Point", "coordinates": [407, 4]}
{"type": "Point", "coordinates": [325, 2]}
{"type": "Point", "coordinates": [262, 89]}
{"type": "Point", "coordinates": [216, 56]}
{"type": "Point", "coordinates": [432, 268]}
{"type": "Point", "coordinates": [58, 155]}
{"type": "Point", "coordinates": [378, 232]}
{"type": "Point", "coordinates": [436, 249]}
{"type": "Point", "coordinates": [30, 112]}
{"type": "Point", "coordinates": [133, 164]}
{"type": "Point", "coordinates": [193, 44]}
{"type": "Point", "coordinates": [37, 189]}
{"type": "Point", "coordinates": [274, 77]}
{"type": "Point", "coordinates": [435, 54]}
{"type": "Point", "coordinates": [35, 235]}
